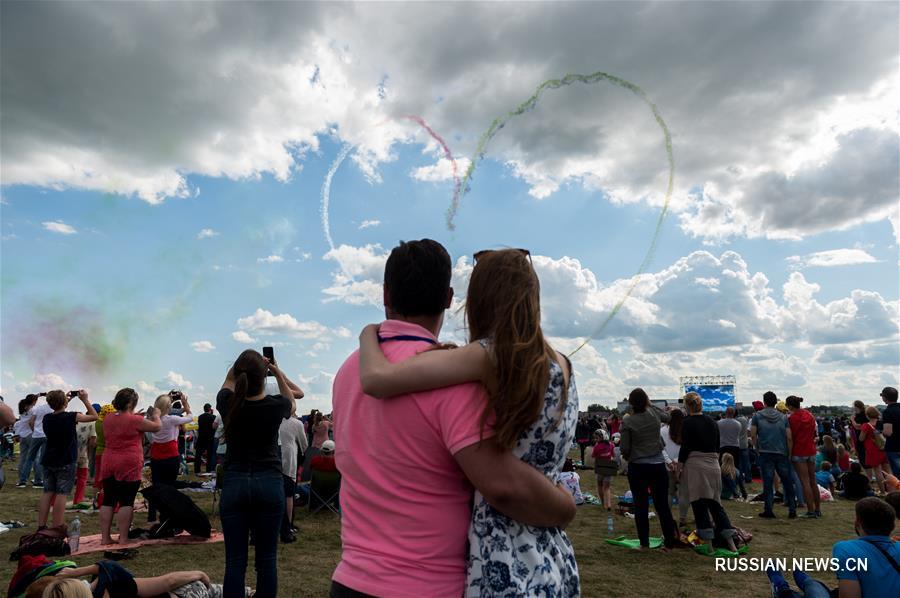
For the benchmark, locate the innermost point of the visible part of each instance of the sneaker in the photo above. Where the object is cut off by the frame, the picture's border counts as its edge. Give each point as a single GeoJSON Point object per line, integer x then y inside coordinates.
{"type": "Point", "coordinates": [37, 484]}
{"type": "Point", "coordinates": [767, 515]}
{"type": "Point", "coordinates": [288, 538]}
{"type": "Point", "coordinates": [809, 515]}
{"type": "Point", "coordinates": [792, 515]}
{"type": "Point", "coordinates": [21, 485]}
{"type": "Point", "coordinates": [818, 514]}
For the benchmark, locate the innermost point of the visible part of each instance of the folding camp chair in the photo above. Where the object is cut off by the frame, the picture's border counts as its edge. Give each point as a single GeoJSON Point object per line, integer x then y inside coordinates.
{"type": "Point", "coordinates": [324, 491]}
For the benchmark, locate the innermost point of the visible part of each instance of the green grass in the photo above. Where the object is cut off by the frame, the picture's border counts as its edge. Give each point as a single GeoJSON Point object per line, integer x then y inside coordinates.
{"type": "Point", "coordinates": [305, 567]}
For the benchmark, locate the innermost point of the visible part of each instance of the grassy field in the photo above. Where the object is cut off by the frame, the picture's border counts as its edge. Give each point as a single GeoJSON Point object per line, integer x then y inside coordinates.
{"type": "Point", "coordinates": [305, 567]}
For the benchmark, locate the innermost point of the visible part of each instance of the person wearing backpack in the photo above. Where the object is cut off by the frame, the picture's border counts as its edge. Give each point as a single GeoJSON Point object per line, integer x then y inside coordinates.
{"type": "Point", "coordinates": [873, 439]}
{"type": "Point", "coordinates": [875, 520]}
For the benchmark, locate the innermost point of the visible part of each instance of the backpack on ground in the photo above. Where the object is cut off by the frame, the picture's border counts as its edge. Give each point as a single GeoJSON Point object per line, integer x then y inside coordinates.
{"type": "Point", "coordinates": [51, 541]}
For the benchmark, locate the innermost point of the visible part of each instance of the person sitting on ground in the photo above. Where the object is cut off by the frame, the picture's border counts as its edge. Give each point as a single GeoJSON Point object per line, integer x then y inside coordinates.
{"type": "Point", "coordinates": [60, 454]}
{"type": "Point", "coordinates": [729, 478]}
{"type": "Point", "coordinates": [856, 484]}
{"type": "Point", "coordinates": [843, 460]}
{"type": "Point", "coordinates": [875, 521]}
{"type": "Point", "coordinates": [569, 478]}
{"type": "Point", "coordinates": [605, 467]}
{"type": "Point", "coordinates": [324, 461]}
{"type": "Point", "coordinates": [824, 478]}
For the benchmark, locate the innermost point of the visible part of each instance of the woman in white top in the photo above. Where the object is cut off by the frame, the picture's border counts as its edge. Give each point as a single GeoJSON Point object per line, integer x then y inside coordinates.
{"type": "Point", "coordinates": [22, 429]}
{"type": "Point", "coordinates": [671, 436]}
{"type": "Point", "coordinates": [165, 460]}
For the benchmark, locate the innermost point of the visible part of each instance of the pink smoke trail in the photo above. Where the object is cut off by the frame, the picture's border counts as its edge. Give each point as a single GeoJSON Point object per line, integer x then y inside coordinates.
{"type": "Point", "coordinates": [457, 184]}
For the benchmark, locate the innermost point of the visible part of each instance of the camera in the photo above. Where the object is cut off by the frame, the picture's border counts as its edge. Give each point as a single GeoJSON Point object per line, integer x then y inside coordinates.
{"type": "Point", "coordinates": [42, 394]}
{"type": "Point", "coordinates": [73, 393]}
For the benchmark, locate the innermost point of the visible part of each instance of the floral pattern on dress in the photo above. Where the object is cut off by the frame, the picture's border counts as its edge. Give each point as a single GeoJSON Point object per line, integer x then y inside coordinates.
{"type": "Point", "coordinates": [507, 558]}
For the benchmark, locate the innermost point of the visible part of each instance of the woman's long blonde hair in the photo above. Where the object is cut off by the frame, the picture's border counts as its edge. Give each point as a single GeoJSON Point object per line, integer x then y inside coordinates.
{"type": "Point", "coordinates": [728, 468]}
{"type": "Point", "coordinates": [503, 305]}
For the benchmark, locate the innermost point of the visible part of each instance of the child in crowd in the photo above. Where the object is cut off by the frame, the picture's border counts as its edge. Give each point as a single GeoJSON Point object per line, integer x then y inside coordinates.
{"type": "Point", "coordinates": [729, 478]}
{"type": "Point", "coordinates": [824, 478]}
{"type": "Point", "coordinates": [87, 436]}
{"type": "Point", "coordinates": [570, 480]}
{"type": "Point", "coordinates": [843, 460]}
{"type": "Point", "coordinates": [60, 454]}
{"type": "Point", "coordinates": [604, 454]}
{"type": "Point", "coordinates": [856, 484]}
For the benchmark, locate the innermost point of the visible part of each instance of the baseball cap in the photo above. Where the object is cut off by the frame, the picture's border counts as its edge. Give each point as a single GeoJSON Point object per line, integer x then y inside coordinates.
{"type": "Point", "coordinates": [328, 447]}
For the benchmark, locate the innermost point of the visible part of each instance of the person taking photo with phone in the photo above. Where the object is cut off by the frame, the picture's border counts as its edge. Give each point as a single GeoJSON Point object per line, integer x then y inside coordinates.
{"type": "Point", "coordinates": [253, 488]}
{"type": "Point", "coordinates": [165, 458]}
{"type": "Point", "coordinates": [61, 453]}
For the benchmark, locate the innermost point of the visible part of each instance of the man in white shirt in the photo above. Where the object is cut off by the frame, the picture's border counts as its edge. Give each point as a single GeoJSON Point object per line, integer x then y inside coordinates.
{"type": "Point", "coordinates": [293, 444]}
{"type": "Point", "coordinates": [38, 442]}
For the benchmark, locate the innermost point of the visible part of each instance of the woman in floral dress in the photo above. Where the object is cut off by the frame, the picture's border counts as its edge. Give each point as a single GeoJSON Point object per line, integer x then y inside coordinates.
{"type": "Point", "coordinates": [532, 410]}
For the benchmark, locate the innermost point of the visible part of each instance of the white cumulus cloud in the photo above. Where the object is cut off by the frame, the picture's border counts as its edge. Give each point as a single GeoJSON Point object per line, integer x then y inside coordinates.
{"type": "Point", "coordinates": [202, 346]}
{"type": "Point", "coordinates": [58, 226]}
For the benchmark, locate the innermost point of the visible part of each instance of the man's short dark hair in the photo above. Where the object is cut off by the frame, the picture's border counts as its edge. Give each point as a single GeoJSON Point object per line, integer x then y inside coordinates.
{"type": "Point", "coordinates": [207, 408]}
{"type": "Point", "coordinates": [889, 394]}
{"type": "Point", "coordinates": [769, 399]}
{"type": "Point", "coordinates": [875, 516]}
{"type": "Point", "coordinates": [417, 277]}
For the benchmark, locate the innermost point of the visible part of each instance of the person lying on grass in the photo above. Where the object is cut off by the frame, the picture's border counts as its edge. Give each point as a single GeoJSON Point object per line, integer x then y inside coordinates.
{"type": "Point", "coordinates": [112, 579]}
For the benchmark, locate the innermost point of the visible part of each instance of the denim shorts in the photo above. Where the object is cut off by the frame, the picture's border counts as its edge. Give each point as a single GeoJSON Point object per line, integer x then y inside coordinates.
{"type": "Point", "coordinates": [59, 480]}
{"type": "Point", "coordinates": [799, 459]}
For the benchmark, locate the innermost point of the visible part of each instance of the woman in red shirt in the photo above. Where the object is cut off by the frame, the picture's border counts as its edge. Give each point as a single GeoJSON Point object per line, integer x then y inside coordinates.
{"type": "Point", "coordinates": [875, 457]}
{"type": "Point", "coordinates": [123, 460]}
{"type": "Point", "coordinates": [803, 453]}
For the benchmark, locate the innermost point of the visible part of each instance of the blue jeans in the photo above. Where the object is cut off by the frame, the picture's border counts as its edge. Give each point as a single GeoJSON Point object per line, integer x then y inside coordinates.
{"type": "Point", "coordinates": [252, 501]}
{"type": "Point", "coordinates": [893, 458]}
{"type": "Point", "coordinates": [769, 463]}
{"type": "Point", "coordinates": [35, 455]}
{"type": "Point", "coordinates": [744, 465]}
{"type": "Point", "coordinates": [812, 588]}
{"type": "Point", "coordinates": [25, 464]}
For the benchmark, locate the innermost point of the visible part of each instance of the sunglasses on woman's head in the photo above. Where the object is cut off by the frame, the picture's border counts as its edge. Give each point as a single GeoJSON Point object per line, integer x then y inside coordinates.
{"type": "Point", "coordinates": [480, 254]}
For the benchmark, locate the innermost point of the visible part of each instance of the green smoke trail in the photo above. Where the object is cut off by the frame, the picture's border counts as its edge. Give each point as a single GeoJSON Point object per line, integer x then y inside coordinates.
{"type": "Point", "coordinates": [529, 104]}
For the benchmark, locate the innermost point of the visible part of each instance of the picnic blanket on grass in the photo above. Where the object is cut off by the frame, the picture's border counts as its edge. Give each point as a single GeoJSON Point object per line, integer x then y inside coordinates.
{"type": "Point", "coordinates": [91, 543]}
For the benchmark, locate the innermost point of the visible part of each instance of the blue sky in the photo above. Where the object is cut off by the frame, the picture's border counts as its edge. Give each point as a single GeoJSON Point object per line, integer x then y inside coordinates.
{"type": "Point", "coordinates": [166, 204]}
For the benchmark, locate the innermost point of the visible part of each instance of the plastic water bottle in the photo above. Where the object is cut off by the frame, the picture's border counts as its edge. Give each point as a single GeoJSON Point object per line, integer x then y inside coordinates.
{"type": "Point", "coordinates": [74, 535]}
{"type": "Point", "coordinates": [609, 526]}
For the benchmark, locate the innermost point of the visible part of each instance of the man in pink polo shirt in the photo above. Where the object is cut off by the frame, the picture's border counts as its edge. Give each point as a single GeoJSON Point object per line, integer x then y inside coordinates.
{"type": "Point", "coordinates": [409, 463]}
